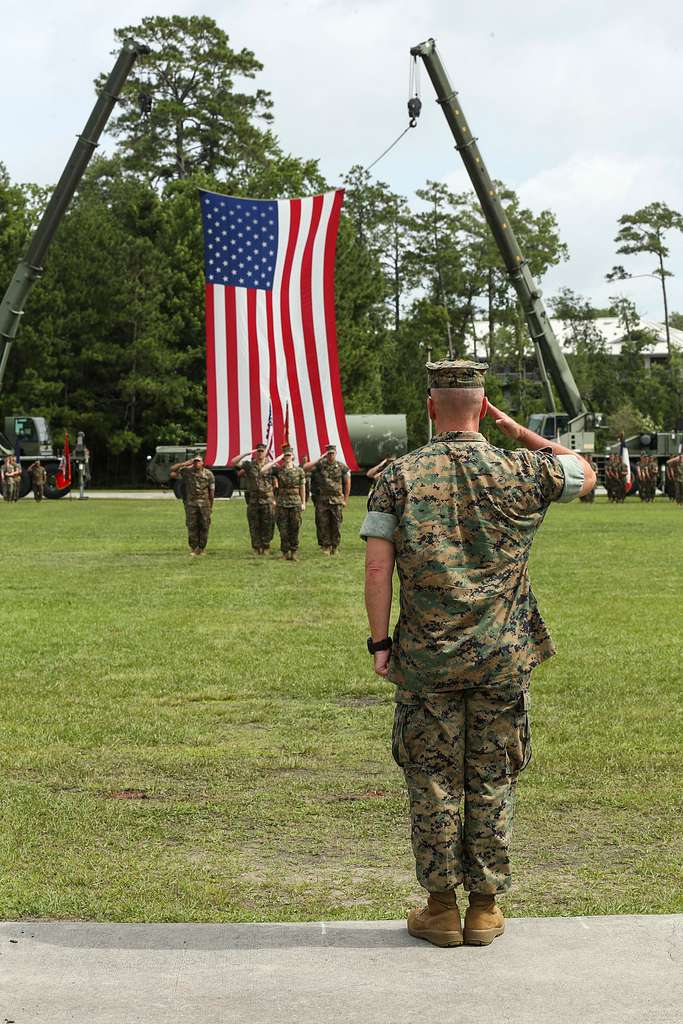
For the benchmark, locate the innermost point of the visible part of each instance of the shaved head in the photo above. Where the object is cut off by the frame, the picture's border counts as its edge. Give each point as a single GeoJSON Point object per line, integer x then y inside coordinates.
{"type": "Point", "coordinates": [456, 408]}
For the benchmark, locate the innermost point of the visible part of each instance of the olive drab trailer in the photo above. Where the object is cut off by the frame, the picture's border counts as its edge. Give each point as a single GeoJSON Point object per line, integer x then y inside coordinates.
{"type": "Point", "coordinates": [577, 429]}
{"type": "Point", "coordinates": [30, 266]}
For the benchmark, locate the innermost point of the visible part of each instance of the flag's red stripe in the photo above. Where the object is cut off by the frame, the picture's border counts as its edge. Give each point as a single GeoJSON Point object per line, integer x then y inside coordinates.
{"type": "Point", "coordinates": [254, 368]}
{"type": "Point", "coordinates": [310, 340]}
{"type": "Point", "coordinates": [232, 379]}
{"type": "Point", "coordinates": [274, 393]}
{"type": "Point", "coordinates": [287, 339]}
{"type": "Point", "coordinates": [211, 439]}
{"type": "Point", "coordinates": [331, 330]}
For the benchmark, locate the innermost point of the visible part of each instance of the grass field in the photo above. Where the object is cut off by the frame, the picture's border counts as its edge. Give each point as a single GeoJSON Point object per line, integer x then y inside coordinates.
{"type": "Point", "coordinates": [203, 740]}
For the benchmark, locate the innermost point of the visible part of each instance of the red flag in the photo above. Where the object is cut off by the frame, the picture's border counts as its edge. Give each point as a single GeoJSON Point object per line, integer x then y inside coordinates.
{"type": "Point", "coordinates": [63, 474]}
{"type": "Point", "coordinates": [271, 336]}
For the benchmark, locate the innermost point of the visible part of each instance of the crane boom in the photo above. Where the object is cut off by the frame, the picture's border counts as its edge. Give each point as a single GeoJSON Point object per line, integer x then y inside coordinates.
{"type": "Point", "coordinates": [30, 266]}
{"type": "Point", "coordinates": [548, 350]}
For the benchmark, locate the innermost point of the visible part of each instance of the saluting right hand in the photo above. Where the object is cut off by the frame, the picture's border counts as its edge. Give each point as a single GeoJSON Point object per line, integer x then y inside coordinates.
{"type": "Point", "coordinates": [504, 422]}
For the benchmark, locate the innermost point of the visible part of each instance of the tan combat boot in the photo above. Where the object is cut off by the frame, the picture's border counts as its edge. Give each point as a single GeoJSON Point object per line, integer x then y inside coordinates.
{"type": "Point", "coordinates": [439, 922]}
{"type": "Point", "coordinates": [483, 921]}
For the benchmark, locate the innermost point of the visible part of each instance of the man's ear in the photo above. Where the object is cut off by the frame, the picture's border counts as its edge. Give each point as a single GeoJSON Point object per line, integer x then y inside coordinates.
{"type": "Point", "coordinates": [484, 407]}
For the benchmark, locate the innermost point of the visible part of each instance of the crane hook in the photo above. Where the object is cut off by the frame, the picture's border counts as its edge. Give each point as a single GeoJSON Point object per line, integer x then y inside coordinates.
{"type": "Point", "coordinates": [414, 108]}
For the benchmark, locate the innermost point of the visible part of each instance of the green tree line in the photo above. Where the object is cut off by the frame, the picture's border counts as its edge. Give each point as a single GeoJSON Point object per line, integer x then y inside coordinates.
{"type": "Point", "coordinates": [113, 339]}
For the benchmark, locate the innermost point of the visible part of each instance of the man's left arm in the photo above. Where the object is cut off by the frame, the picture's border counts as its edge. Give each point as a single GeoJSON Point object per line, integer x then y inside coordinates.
{"type": "Point", "coordinates": [347, 486]}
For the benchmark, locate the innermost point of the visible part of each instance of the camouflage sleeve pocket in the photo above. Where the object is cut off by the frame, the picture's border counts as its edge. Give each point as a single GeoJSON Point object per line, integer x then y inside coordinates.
{"type": "Point", "coordinates": [518, 748]}
{"type": "Point", "coordinates": [398, 749]}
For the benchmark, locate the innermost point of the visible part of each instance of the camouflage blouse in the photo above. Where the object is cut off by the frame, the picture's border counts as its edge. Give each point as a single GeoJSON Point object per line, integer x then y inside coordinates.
{"type": "Point", "coordinates": [330, 478]}
{"type": "Point", "coordinates": [462, 516]}
{"type": "Point", "coordinates": [289, 484]}
{"type": "Point", "coordinates": [38, 475]}
{"type": "Point", "coordinates": [200, 485]}
{"type": "Point", "coordinates": [258, 483]}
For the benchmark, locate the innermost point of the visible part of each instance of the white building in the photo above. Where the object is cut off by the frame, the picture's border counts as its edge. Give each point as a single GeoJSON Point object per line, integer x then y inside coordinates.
{"type": "Point", "coordinates": [613, 333]}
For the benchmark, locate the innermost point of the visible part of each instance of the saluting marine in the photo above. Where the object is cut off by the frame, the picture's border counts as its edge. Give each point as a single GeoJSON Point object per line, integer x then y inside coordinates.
{"type": "Point", "coordinates": [199, 487]}
{"type": "Point", "coordinates": [457, 518]}
{"type": "Point", "coordinates": [290, 503]}
{"type": "Point", "coordinates": [38, 479]}
{"type": "Point", "coordinates": [331, 484]}
{"type": "Point", "coordinates": [259, 495]}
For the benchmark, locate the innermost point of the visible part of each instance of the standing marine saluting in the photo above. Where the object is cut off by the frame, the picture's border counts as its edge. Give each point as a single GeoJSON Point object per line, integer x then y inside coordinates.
{"type": "Point", "coordinates": [457, 518]}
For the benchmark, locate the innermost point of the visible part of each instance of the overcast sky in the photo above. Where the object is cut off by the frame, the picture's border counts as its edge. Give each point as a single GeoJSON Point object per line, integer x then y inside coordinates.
{"type": "Point", "coordinates": [577, 105]}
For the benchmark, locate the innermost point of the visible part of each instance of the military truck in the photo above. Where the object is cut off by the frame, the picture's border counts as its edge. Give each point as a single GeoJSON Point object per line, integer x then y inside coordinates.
{"type": "Point", "coordinates": [373, 437]}
{"type": "Point", "coordinates": [29, 437]}
{"type": "Point", "coordinates": [661, 445]}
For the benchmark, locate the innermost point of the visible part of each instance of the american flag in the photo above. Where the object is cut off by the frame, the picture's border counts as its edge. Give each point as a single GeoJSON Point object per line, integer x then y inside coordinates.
{"type": "Point", "coordinates": [271, 338]}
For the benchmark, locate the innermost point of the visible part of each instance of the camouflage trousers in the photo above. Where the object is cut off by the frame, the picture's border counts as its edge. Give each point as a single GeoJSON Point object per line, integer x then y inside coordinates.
{"type": "Point", "coordinates": [288, 523]}
{"type": "Point", "coordinates": [38, 491]}
{"type": "Point", "coordinates": [679, 492]}
{"type": "Point", "coordinates": [465, 746]}
{"type": "Point", "coordinates": [328, 520]}
{"type": "Point", "coordinates": [198, 519]}
{"type": "Point", "coordinates": [261, 524]}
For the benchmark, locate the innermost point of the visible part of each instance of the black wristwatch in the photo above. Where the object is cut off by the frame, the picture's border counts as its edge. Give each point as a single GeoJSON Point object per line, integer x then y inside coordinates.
{"type": "Point", "coordinates": [381, 645]}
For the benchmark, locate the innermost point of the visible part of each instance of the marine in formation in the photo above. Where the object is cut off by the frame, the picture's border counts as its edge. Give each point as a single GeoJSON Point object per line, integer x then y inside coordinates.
{"type": "Point", "coordinates": [330, 489]}
{"type": "Point", "coordinates": [257, 476]}
{"type": "Point", "coordinates": [11, 479]}
{"type": "Point", "coordinates": [199, 488]}
{"type": "Point", "coordinates": [647, 472]}
{"type": "Point", "coordinates": [457, 518]}
{"type": "Point", "coordinates": [290, 502]}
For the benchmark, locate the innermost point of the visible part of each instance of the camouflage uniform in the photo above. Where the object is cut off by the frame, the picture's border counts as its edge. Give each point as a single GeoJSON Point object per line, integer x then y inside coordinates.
{"type": "Point", "coordinates": [647, 478]}
{"type": "Point", "coordinates": [329, 502]}
{"type": "Point", "coordinates": [462, 516]}
{"type": "Point", "coordinates": [258, 487]}
{"type": "Point", "coordinates": [38, 480]}
{"type": "Point", "coordinates": [199, 486]}
{"type": "Point", "coordinates": [288, 510]}
{"type": "Point", "coordinates": [678, 479]}
{"type": "Point", "coordinates": [13, 480]}
{"type": "Point", "coordinates": [590, 497]}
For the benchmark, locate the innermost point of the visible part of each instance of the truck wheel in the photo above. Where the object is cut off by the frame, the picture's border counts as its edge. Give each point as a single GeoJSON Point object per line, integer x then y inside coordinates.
{"type": "Point", "coordinates": [178, 488]}
{"type": "Point", "coordinates": [224, 487]}
{"type": "Point", "coordinates": [25, 486]}
{"type": "Point", "coordinates": [52, 492]}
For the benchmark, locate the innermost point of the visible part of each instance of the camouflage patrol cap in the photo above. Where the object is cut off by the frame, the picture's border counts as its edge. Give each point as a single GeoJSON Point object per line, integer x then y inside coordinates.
{"type": "Point", "coordinates": [331, 448]}
{"type": "Point", "coordinates": [286, 449]}
{"type": "Point", "coordinates": [197, 456]}
{"type": "Point", "coordinates": [260, 447]}
{"type": "Point", "coordinates": [456, 373]}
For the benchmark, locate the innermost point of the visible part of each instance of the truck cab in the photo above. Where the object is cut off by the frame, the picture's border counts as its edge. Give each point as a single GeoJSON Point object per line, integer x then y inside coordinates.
{"type": "Point", "coordinates": [31, 434]}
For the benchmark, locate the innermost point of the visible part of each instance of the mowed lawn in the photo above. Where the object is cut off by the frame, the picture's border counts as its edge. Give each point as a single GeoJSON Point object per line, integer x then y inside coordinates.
{"type": "Point", "coordinates": [203, 740]}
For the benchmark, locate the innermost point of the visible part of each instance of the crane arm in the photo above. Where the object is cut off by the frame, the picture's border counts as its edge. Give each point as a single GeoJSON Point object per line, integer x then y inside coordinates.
{"type": "Point", "coordinates": [548, 350]}
{"type": "Point", "coordinates": [30, 266]}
